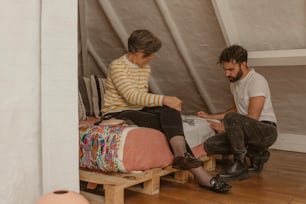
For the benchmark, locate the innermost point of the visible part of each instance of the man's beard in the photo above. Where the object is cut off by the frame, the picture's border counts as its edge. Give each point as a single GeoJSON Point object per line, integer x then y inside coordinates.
{"type": "Point", "coordinates": [237, 77]}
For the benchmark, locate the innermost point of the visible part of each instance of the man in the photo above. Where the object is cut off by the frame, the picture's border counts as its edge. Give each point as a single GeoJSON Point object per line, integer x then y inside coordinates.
{"type": "Point", "coordinates": [249, 126]}
{"type": "Point", "coordinates": [127, 97]}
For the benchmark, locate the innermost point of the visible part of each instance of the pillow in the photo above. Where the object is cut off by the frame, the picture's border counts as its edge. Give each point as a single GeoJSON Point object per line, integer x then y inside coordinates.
{"type": "Point", "coordinates": [85, 91]}
{"type": "Point", "coordinates": [196, 130]}
{"type": "Point", "coordinates": [146, 148]}
{"type": "Point", "coordinates": [97, 87]}
{"type": "Point", "coordinates": [81, 108]}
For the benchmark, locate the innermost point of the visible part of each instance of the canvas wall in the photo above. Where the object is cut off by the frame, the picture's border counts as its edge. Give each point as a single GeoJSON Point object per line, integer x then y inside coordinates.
{"type": "Point", "coordinates": [193, 34]}
{"type": "Point", "coordinates": [38, 106]}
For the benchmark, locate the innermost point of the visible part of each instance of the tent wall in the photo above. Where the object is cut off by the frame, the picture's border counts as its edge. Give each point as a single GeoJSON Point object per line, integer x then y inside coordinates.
{"type": "Point", "coordinates": [38, 77]}
{"type": "Point", "coordinates": [193, 35]}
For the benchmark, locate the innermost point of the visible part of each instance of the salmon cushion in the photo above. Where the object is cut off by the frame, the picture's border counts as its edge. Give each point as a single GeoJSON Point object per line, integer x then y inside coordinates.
{"type": "Point", "coordinates": [146, 148]}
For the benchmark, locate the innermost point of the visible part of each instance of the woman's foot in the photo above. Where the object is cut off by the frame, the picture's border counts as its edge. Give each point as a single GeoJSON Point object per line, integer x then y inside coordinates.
{"type": "Point", "coordinates": [187, 162]}
{"type": "Point", "coordinates": [217, 186]}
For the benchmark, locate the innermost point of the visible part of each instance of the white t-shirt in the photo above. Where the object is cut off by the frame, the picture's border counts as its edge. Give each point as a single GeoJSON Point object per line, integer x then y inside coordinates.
{"type": "Point", "coordinates": [252, 85]}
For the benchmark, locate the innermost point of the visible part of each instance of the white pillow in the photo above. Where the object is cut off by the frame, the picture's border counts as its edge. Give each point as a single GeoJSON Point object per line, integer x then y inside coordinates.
{"type": "Point", "coordinates": [196, 130]}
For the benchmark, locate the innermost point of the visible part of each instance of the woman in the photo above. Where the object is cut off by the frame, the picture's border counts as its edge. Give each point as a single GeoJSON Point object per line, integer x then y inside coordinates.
{"type": "Point", "coordinates": [127, 97]}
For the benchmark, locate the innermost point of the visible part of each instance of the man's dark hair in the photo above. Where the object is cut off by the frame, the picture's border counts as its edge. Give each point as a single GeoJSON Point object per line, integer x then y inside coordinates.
{"type": "Point", "coordinates": [143, 40]}
{"type": "Point", "coordinates": [234, 53]}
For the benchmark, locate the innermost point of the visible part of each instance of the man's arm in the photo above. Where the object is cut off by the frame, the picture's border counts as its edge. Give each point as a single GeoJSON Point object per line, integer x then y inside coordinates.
{"type": "Point", "coordinates": [217, 116]}
{"type": "Point", "coordinates": [217, 126]}
{"type": "Point", "coordinates": [256, 105]}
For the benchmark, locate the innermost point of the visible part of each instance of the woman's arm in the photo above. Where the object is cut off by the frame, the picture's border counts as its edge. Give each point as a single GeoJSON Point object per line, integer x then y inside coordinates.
{"type": "Point", "coordinates": [127, 88]}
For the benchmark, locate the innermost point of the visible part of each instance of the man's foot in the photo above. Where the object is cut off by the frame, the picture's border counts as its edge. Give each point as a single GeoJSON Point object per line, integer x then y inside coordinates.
{"type": "Point", "coordinates": [237, 171]}
{"type": "Point", "coordinates": [257, 163]}
{"type": "Point", "coordinates": [187, 162]}
{"type": "Point", "coordinates": [217, 186]}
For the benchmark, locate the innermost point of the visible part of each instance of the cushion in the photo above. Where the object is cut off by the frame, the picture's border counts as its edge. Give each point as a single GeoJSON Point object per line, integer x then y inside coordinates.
{"type": "Point", "coordinates": [81, 108]}
{"type": "Point", "coordinates": [196, 130]}
{"type": "Point", "coordinates": [97, 87]}
{"type": "Point", "coordinates": [198, 150]}
{"type": "Point", "coordinates": [146, 148]}
{"type": "Point", "coordinates": [85, 92]}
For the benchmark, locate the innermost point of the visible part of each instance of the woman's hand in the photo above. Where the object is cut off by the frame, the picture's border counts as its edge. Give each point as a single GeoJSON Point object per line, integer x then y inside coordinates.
{"type": "Point", "coordinates": [203, 114]}
{"type": "Point", "coordinates": [172, 102]}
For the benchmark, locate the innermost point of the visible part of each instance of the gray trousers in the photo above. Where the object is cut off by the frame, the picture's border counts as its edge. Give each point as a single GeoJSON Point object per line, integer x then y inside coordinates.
{"type": "Point", "coordinates": [243, 136]}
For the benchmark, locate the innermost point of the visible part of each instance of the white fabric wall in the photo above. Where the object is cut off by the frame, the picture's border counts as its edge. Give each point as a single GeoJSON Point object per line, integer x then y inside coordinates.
{"type": "Point", "coordinates": [38, 106]}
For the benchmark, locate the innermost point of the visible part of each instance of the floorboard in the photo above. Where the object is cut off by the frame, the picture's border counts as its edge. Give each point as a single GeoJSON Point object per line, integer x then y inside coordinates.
{"type": "Point", "coordinates": [283, 181]}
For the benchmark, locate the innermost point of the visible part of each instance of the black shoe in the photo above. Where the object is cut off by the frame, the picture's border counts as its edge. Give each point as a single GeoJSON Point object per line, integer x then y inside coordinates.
{"type": "Point", "coordinates": [187, 162]}
{"type": "Point", "coordinates": [217, 186]}
{"type": "Point", "coordinates": [257, 163]}
{"type": "Point", "coordinates": [237, 171]}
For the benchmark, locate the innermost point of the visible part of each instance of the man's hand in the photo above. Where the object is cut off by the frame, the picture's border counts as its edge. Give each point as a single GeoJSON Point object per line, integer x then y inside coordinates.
{"type": "Point", "coordinates": [172, 102]}
{"type": "Point", "coordinates": [218, 127]}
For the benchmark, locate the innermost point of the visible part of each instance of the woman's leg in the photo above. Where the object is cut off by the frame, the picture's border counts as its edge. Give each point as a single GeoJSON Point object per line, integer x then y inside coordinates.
{"type": "Point", "coordinates": [172, 128]}
{"type": "Point", "coordinates": [171, 124]}
{"type": "Point", "coordinates": [140, 118]}
{"type": "Point", "coordinates": [151, 118]}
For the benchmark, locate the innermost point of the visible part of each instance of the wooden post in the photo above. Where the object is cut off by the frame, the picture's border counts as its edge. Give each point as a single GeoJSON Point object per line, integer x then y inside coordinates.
{"type": "Point", "coordinates": [114, 194]}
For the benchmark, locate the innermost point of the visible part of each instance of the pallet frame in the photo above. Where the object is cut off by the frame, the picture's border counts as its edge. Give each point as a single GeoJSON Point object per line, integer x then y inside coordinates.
{"type": "Point", "coordinates": [115, 184]}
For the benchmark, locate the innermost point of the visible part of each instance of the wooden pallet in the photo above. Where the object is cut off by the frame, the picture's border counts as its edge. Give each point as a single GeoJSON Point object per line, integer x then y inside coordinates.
{"type": "Point", "coordinates": [209, 163]}
{"type": "Point", "coordinates": [147, 182]}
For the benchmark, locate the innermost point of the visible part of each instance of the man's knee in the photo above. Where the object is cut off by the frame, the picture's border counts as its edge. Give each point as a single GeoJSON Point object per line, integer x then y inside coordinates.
{"type": "Point", "coordinates": [210, 147]}
{"type": "Point", "coordinates": [232, 118]}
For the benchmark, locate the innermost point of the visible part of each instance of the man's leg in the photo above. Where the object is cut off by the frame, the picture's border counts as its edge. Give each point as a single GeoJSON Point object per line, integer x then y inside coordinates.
{"type": "Point", "coordinates": [244, 132]}
{"type": "Point", "coordinates": [258, 153]}
{"type": "Point", "coordinates": [235, 128]}
{"type": "Point", "coordinates": [217, 144]}
{"type": "Point", "coordinates": [258, 160]}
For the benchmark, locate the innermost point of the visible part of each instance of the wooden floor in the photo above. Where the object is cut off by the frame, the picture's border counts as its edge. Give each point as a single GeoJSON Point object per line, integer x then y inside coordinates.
{"type": "Point", "coordinates": [282, 181]}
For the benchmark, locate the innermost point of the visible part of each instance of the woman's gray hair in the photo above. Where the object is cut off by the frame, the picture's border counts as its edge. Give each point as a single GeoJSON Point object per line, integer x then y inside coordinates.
{"type": "Point", "coordinates": [143, 40]}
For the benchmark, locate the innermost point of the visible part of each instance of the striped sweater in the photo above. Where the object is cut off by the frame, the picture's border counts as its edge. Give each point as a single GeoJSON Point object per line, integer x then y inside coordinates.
{"type": "Point", "coordinates": [127, 87]}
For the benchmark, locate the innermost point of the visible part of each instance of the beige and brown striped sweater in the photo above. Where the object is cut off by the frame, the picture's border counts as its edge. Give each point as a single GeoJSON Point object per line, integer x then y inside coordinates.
{"type": "Point", "coordinates": [127, 87]}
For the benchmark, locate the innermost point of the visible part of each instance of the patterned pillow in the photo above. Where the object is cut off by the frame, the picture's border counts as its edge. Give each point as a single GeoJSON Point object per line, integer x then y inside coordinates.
{"type": "Point", "coordinates": [97, 87]}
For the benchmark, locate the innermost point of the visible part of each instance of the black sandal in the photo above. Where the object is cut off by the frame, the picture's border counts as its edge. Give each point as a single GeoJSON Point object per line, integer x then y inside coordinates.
{"type": "Point", "coordinates": [217, 186]}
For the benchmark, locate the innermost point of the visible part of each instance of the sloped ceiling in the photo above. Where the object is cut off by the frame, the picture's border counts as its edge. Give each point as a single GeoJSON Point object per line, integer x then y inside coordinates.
{"type": "Point", "coordinates": [192, 37]}
{"type": "Point", "coordinates": [269, 25]}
